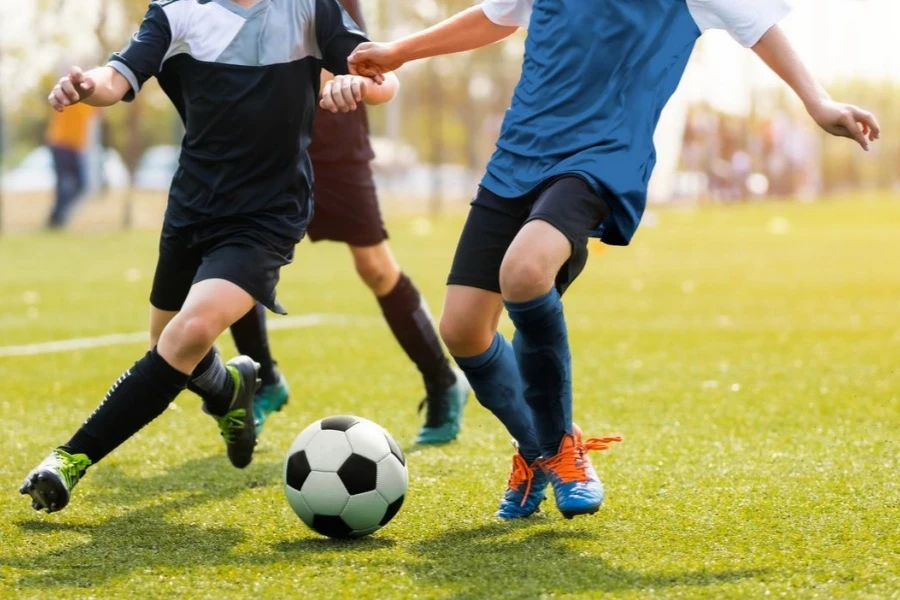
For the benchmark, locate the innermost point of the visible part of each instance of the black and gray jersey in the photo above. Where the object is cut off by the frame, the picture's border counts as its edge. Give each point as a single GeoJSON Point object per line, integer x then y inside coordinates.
{"type": "Point", "coordinates": [245, 82]}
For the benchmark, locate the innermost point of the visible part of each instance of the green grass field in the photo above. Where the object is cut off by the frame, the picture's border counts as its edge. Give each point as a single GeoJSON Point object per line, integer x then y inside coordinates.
{"type": "Point", "coordinates": [749, 355]}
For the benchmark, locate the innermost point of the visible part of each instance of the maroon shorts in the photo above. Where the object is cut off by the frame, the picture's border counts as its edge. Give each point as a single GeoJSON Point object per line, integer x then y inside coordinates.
{"type": "Point", "coordinates": [346, 205]}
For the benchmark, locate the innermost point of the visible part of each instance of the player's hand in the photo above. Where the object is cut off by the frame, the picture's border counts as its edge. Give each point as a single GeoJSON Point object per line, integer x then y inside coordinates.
{"type": "Point", "coordinates": [372, 59]}
{"type": "Point", "coordinates": [846, 120]}
{"type": "Point", "coordinates": [71, 89]}
{"type": "Point", "coordinates": [344, 93]}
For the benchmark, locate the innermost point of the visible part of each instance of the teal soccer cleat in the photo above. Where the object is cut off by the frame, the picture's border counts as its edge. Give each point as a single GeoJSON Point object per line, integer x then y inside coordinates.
{"type": "Point", "coordinates": [269, 399]}
{"type": "Point", "coordinates": [577, 487]}
{"type": "Point", "coordinates": [444, 412]}
{"type": "Point", "coordinates": [525, 490]}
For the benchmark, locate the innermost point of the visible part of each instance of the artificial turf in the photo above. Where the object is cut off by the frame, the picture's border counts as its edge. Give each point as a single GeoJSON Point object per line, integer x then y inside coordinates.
{"type": "Point", "coordinates": [749, 355]}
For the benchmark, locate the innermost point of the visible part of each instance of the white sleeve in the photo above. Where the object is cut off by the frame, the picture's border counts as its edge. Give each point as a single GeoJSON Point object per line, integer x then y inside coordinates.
{"type": "Point", "coordinates": [746, 20]}
{"type": "Point", "coordinates": [509, 13]}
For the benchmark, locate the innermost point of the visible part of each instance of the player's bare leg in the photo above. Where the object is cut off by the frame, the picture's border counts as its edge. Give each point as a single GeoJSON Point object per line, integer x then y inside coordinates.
{"type": "Point", "coordinates": [527, 281]}
{"type": "Point", "coordinates": [469, 328]}
{"type": "Point", "coordinates": [406, 313]}
{"type": "Point", "coordinates": [144, 391]}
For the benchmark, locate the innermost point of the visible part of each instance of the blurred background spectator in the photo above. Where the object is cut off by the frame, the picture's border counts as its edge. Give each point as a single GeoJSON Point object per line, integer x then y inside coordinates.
{"type": "Point", "coordinates": [732, 133]}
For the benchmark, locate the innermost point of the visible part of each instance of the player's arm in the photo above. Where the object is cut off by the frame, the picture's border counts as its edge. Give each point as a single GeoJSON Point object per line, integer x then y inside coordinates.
{"type": "Point", "coordinates": [472, 28]}
{"type": "Point", "coordinates": [344, 92]}
{"type": "Point", "coordinates": [102, 86]}
{"type": "Point", "coordinates": [844, 120]}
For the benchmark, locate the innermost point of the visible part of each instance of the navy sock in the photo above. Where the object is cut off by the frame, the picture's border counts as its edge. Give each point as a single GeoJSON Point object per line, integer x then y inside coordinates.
{"type": "Point", "coordinates": [494, 376]}
{"type": "Point", "coordinates": [252, 339]}
{"type": "Point", "coordinates": [136, 398]}
{"type": "Point", "coordinates": [545, 362]}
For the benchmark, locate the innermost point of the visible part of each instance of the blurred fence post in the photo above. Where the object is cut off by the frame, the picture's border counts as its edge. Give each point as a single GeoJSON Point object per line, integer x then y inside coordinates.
{"type": "Point", "coordinates": [2, 149]}
{"type": "Point", "coordinates": [436, 135]}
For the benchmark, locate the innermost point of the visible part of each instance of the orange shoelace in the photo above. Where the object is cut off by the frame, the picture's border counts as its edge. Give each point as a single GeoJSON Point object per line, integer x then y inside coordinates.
{"type": "Point", "coordinates": [522, 474]}
{"type": "Point", "coordinates": [571, 463]}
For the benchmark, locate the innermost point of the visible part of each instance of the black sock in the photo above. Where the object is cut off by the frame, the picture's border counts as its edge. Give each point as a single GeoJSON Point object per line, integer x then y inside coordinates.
{"type": "Point", "coordinates": [407, 315]}
{"type": "Point", "coordinates": [252, 339]}
{"type": "Point", "coordinates": [212, 382]}
{"type": "Point", "coordinates": [134, 400]}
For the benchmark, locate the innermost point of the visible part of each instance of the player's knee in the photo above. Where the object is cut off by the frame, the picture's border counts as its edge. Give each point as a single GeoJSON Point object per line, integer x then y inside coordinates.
{"type": "Point", "coordinates": [463, 337]}
{"type": "Point", "coordinates": [524, 277]}
{"type": "Point", "coordinates": [192, 334]}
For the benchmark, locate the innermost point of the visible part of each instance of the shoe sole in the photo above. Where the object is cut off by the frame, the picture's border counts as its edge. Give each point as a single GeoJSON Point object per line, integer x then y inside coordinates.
{"type": "Point", "coordinates": [571, 514]}
{"type": "Point", "coordinates": [249, 372]}
{"type": "Point", "coordinates": [44, 494]}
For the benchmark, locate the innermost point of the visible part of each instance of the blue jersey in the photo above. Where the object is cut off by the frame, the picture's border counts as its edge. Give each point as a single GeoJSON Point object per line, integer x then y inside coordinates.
{"type": "Point", "coordinates": [596, 76]}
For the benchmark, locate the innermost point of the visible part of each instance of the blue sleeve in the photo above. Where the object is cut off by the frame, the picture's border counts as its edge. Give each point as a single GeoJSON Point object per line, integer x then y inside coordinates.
{"type": "Point", "coordinates": [337, 35]}
{"type": "Point", "coordinates": [142, 58]}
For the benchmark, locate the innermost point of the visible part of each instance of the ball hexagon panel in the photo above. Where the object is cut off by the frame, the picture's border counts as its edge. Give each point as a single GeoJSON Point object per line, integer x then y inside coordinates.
{"type": "Point", "coordinates": [332, 526]}
{"type": "Point", "coordinates": [364, 511]}
{"type": "Point", "coordinates": [338, 423]}
{"type": "Point", "coordinates": [295, 499]}
{"type": "Point", "coordinates": [395, 448]}
{"type": "Point", "coordinates": [324, 493]}
{"type": "Point", "coordinates": [328, 450]}
{"type": "Point", "coordinates": [296, 470]}
{"type": "Point", "coordinates": [301, 441]}
{"type": "Point", "coordinates": [367, 439]}
{"type": "Point", "coordinates": [392, 478]}
{"type": "Point", "coordinates": [392, 510]}
{"type": "Point", "coordinates": [358, 474]}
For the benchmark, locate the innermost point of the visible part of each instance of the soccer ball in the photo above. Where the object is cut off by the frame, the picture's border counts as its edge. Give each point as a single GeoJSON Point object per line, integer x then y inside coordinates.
{"type": "Point", "coordinates": [345, 477]}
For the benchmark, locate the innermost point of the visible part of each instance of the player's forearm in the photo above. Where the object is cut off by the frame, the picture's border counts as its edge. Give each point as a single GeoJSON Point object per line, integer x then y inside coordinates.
{"type": "Point", "coordinates": [776, 51]}
{"type": "Point", "coordinates": [379, 94]}
{"type": "Point", "coordinates": [109, 87]}
{"type": "Point", "coordinates": [464, 31]}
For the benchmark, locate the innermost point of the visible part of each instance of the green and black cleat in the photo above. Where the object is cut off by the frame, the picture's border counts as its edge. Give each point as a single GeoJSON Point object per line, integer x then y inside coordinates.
{"type": "Point", "coordinates": [50, 483]}
{"type": "Point", "coordinates": [237, 425]}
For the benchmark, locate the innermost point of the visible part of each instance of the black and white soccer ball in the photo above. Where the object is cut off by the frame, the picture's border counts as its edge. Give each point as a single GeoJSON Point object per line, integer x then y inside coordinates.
{"type": "Point", "coordinates": [345, 477]}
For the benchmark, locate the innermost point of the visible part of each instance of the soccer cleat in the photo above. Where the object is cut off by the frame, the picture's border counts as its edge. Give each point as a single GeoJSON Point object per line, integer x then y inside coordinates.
{"type": "Point", "coordinates": [50, 483]}
{"type": "Point", "coordinates": [525, 491]}
{"type": "Point", "coordinates": [269, 398]}
{"type": "Point", "coordinates": [576, 486]}
{"type": "Point", "coordinates": [237, 426]}
{"type": "Point", "coordinates": [444, 412]}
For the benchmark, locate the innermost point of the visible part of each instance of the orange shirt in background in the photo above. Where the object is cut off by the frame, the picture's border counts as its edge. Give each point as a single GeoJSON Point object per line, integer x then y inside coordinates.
{"type": "Point", "coordinates": [71, 128]}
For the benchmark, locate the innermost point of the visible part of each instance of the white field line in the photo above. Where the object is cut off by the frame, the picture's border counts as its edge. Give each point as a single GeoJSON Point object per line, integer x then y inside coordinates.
{"type": "Point", "coordinates": [121, 339]}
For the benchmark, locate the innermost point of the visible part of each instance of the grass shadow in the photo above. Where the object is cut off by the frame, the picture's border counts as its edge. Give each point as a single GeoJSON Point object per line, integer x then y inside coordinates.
{"type": "Point", "coordinates": [495, 561]}
{"type": "Point", "coordinates": [143, 538]}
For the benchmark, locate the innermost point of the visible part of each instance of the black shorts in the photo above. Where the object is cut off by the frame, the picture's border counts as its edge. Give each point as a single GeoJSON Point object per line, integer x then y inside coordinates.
{"type": "Point", "coordinates": [567, 203]}
{"type": "Point", "coordinates": [241, 252]}
{"type": "Point", "coordinates": [346, 205]}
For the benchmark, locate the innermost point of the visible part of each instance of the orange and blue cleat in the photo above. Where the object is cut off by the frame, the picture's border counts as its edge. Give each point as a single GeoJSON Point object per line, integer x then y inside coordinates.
{"type": "Point", "coordinates": [525, 490]}
{"type": "Point", "coordinates": [577, 487]}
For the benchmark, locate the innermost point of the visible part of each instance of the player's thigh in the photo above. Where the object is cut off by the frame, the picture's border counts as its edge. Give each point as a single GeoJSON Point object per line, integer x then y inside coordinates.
{"type": "Point", "coordinates": [573, 209]}
{"type": "Point", "coordinates": [376, 266]}
{"type": "Point", "coordinates": [470, 319]}
{"type": "Point", "coordinates": [533, 260]}
{"type": "Point", "coordinates": [158, 321]}
{"type": "Point", "coordinates": [490, 228]}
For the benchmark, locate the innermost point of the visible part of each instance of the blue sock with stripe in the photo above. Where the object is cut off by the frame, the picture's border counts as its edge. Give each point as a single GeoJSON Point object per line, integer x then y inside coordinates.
{"type": "Point", "coordinates": [545, 363]}
{"type": "Point", "coordinates": [495, 379]}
